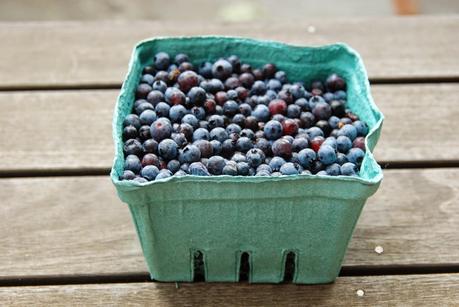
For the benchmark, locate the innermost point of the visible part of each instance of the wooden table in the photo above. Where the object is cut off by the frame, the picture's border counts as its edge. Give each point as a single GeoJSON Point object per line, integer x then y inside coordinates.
{"type": "Point", "coordinates": [66, 239]}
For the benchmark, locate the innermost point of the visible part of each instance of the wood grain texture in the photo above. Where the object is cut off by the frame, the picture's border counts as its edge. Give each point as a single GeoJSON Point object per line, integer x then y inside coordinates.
{"type": "Point", "coordinates": [407, 290]}
{"type": "Point", "coordinates": [77, 225]}
{"type": "Point", "coordinates": [96, 54]}
{"type": "Point", "coordinates": [71, 130]}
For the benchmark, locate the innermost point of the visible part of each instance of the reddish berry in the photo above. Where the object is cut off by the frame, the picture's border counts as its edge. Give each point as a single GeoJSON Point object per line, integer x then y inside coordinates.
{"type": "Point", "coordinates": [187, 80]}
{"type": "Point", "coordinates": [289, 126]}
{"type": "Point", "coordinates": [359, 142]}
{"type": "Point", "coordinates": [317, 142]}
{"type": "Point", "coordinates": [277, 106]}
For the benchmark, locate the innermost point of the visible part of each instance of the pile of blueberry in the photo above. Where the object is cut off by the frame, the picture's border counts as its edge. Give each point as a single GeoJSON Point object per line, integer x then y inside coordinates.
{"type": "Point", "coordinates": [227, 118]}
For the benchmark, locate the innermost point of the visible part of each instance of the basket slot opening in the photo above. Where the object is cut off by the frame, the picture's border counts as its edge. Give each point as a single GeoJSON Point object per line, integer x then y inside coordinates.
{"type": "Point", "coordinates": [198, 267]}
{"type": "Point", "coordinates": [244, 267]}
{"type": "Point", "coordinates": [289, 270]}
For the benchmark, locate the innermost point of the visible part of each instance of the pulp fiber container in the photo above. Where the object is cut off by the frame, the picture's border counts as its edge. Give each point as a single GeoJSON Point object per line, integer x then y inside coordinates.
{"type": "Point", "coordinates": [220, 218]}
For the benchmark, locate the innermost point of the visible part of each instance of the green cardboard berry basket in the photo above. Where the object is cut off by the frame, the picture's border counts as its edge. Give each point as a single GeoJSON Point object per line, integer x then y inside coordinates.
{"type": "Point", "coordinates": [267, 218]}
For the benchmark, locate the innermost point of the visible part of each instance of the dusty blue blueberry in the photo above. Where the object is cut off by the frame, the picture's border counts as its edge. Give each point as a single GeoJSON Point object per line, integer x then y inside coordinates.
{"type": "Point", "coordinates": [147, 78]}
{"type": "Point", "coordinates": [233, 128]}
{"type": "Point", "coordinates": [177, 112]}
{"type": "Point", "coordinates": [288, 169]}
{"type": "Point", "coordinates": [303, 104]}
{"type": "Point", "coordinates": [299, 143]}
{"type": "Point", "coordinates": [149, 172]}
{"type": "Point", "coordinates": [189, 154]}
{"type": "Point", "coordinates": [258, 88]}
{"type": "Point", "coordinates": [140, 179]}
{"type": "Point", "coordinates": [331, 141]}
{"type": "Point", "coordinates": [264, 145]}
{"type": "Point", "coordinates": [133, 147]}
{"type": "Point", "coordinates": [230, 169]}
{"type": "Point", "coordinates": [333, 169]}
{"type": "Point", "coordinates": [348, 130]}
{"type": "Point", "coordinates": [264, 167]}
{"type": "Point", "coordinates": [263, 173]}
{"type": "Point", "coordinates": [247, 133]}
{"type": "Point", "coordinates": [355, 155]}
{"type": "Point", "coordinates": [243, 168]}
{"type": "Point", "coordinates": [255, 157]}
{"type": "Point", "coordinates": [167, 149]}
{"type": "Point", "coordinates": [222, 69]}
{"type": "Point", "coordinates": [164, 173]}
{"type": "Point", "coordinates": [322, 110]}
{"type": "Point", "coordinates": [180, 58]}
{"type": "Point", "coordinates": [348, 169]}
{"type": "Point", "coordinates": [274, 85]}
{"type": "Point", "coordinates": [201, 134]}
{"type": "Point", "coordinates": [314, 100]}
{"type": "Point", "coordinates": [218, 134]}
{"type": "Point", "coordinates": [159, 85]}
{"type": "Point", "coordinates": [322, 173]}
{"type": "Point", "coordinates": [143, 106]}
{"type": "Point", "coordinates": [314, 131]}
{"type": "Point", "coordinates": [245, 109]}
{"type": "Point", "coordinates": [173, 165]}
{"type": "Point", "coordinates": [343, 144]}
{"type": "Point", "coordinates": [161, 61]}
{"type": "Point", "coordinates": [216, 147]}
{"type": "Point", "coordinates": [205, 70]}
{"type": "Point", "coordinates": [297, 91]}
{"type": "Point", "coordinates": [361, 127]}
{"type": "Point", "coordinates": [199, 112]}
{"type": "Point", "coordinates": [147, 117]}
{"type": "Point", "coordinates": [341, 158]}
{"type": "Point", "coordinates": [197, 95]}
{"type": "Point", "coordinates": [132, 163]}
{"type": "Point", "coordinates": [130, 132]}
{"type": "Point", "coordinates": [162, 109]}
{"type": "Point", "coordinates": [306, 157]}
{"type": "Point", "coordinates": [216, 121]}
{"type": "Point", "coordinates": [273, 130]}
{"type": "Point", "coordinates": [180, 173]}
{"type": "Point", "coordinates": [127, 175]}
{"type": "Point", "coordinates": [326, 154]}
{"type": "Point", "coordinates": [154, 97]}
{"type": "Point", "coordinates": [161, 129]}
{"type": "Point", "coordinates": [333, 121]}
{"type": "Point", "coordinates": [198, 169]}
{"type": "Point", "coordinates": [340, 95]}
{"type": "Point", "coordinates": [239, 157]}
{"type": "Point", "coordinates": [244, 144]}
{"type": "Point", "coordinates": [276, 163]}
{"type": "Point", "coordinates": [261, 113]}
{"type": "Point", "coordinates": [306, 172]}
{"type": "Point", "coordinates": [132, 120]}
{"type": "Point", "coordinates": [191, 120]}
{"type": "Point", "coordinates": [281, 76]}
{"type": "Point", "coordinates": [328, 96]}
{"type": "Point", "coordinates": [215, 165]}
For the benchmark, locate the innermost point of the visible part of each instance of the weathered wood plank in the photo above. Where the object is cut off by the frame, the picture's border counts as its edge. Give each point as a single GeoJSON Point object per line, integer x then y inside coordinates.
{"type": "Point", "coordinates": [76, 225]}
{"type": "Point", "coordinates": [96, 54]}
{"type": "Point", "coordinates": [43, 130]}
{"type": "Point", "coordinates": [411, 290]}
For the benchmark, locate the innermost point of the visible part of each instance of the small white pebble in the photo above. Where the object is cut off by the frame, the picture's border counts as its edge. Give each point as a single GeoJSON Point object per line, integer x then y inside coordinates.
{"type": "Point", "coordinates": [311, 29]}
{"type": "Point", "coordinates": [360, 293]}
{"type": "Point", "coordinates": [379, 249]}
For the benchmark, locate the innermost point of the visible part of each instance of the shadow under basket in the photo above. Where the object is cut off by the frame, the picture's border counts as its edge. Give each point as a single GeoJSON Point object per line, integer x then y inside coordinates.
{"type": "Point", "coordinates": [260, 229]}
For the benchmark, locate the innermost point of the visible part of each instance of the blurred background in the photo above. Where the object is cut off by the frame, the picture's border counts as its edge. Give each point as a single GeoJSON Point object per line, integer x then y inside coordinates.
{"type": "Point", "coordinates": [210, 10]}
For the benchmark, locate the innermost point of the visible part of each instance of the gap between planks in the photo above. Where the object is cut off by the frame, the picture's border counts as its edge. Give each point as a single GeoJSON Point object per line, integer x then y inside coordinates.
{"type": "Point", "coordinates": [136, 277]}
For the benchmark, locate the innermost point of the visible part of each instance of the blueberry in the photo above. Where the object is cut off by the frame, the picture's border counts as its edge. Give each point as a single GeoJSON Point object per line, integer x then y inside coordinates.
{"type": "Point", "coordinates": [205, 70]}
{"type": "Point", "coordinates": [150, 159]}
{"type": "Point", "coordinates": [239, 157]}
{"type": "Point", "coordinates": [216, 147]}
{"type": "Point", "coordinates": [314, 132]}
{"type": "Point", "coordinates": [297, 91]}
{"type": "Point", "coordinates": [230, 169]}
{"type": "Point", "coordinates": [306, 157]}
{"type": "Point", "coordinates": [328, 97]}
{"type": "Point", "coordinates": [322, 173]}
{"type": "Point", "coordinates": [303, 104]}
{"type": "Point", "coordinates": [149, 70]}
{"type": "Point", "coordinates": [201, 134]}
{"type": "Point", "coordinates": [164, 173]}
{"type": "Point", "coordinates": [216, 164]}
{"type": "Point", "coordinates": [322, 110]}
{"type": "Point", "coordinates": [343, 144]}
{"type": "Point", "coordinates": [273, 130]}
{"type": "Point", "coordinates": [216, 85]}
{"type": "Point", "coordinates": [307, 119]}
{"type": "Point", "coordinates": [143, 106]}
{"type": "Point", "coordinates": [150, 146]}
{"type": "Point", "coordinates": [159, 85]}
{"type": "Point", "coordinates": [149, 172]}
{"type": "Point", "coordinates": [244, 144]}
{"type": "Point", "coordinates": [243, 168]}
{"type": "Point", "coordinates": [340, 95]}
{"type": "Point", "coordinates": [276, 163]}
{"type": "Point", "coordinates": [162, 109]}
{"type": "Point", "coordinates": [348, 169]}
{"type": "Point", "coordinates": [258, 88]}
{"type": "Point", "coordinates": [189, 119]}
{"type": "Point", "coordinates": [317, 166]}
{"type": "Point", "coordinates": [335, 83]}
{"type": "Point", "coordinates": [293, 111]}
{"type": "Point", "coordinates": [129, 132]}
{"type": "Point", "coordinates": [333, 169]}
{"type": "Point", "coordinates": [314, 100]}
{"type": "Point", "coordinates": [144, 132]}
{"type": "Point", "coordinates": [132, 163]}
{"type": "Point", "coordinates": [161, 129]}
{"type": "Point", "coordinates": [333, 121]}
{"type": "Point", "coordinates": [326, 154]}
{"type": "Point", "coordinates": [218, 134]}
{"type": "Point", "coordinates": [216, 121]}
{"type": "Point", "coordinates": [222, 69]}
{"type": "Point", "coordinates": [185, 66]}
{"type": "Point", "coordinates": [264, 145]}
{"type": "Point", "coordinates": [274, 85]}
{"type": "Point", "coordinates": [299, 144]}
{"type": "Point", "coordinates": [133, 147]}
{"type": "Point", "coordinates": [251, 122]}
{"type": "Point", "coordinates": [177, 112]}
{"type": "Point", "coordinates": [361, 127]}
{"type": "Point", "coordinates": [232, 83]}
{"type": "Point", "coordinates": [154, 97]}
{"type": "Point", "coordinates": [142, 90]}
{"type": "Point", "coordinates": [261, 113]}
{"type": "Point", "coordinates": [147, 117]}
{"type": "Point", "coordinates": [174, 96]}
{"type": "Point", "coordinates": [289, 169]}
{"type": "Point", "coordinates": [269, 70]}
{"type": "Point", "coordinates": [282, 148]}
{"type": "Point", "coordinates": [147, 78]}
{"type": "Point", "coordinates": [359, 142]}
{"type": "Point", "coordinates": [338, 108]}
{"type": "Point", "coordinates": [230, 108]}
{"type": "Point", "coordinates": [161, 61]}
{"type": "Point", "coordinates": [189, 154]}
{"type": "Point", "coordinates": [197, 95]}
{"type": "Point", "coordinates": [179, 139]}
{"type": "Point", "coordinates": [235, 62]}
{"type": "Point", "coordinates": [255, 157]}
{"type": "Point", "coordinates": [180, 173]}
{"type": "Point", "coordinates": [341, 158]}
{"type": "Point", "coordinates": [247, 133]}
{"type": "Point", "coordinates": [355, 155]}
{"type": "Point", "coordinates": [263, 173]}
{"type": "Point", "coordinates": [132, 120]}
{"type": "Point", "coordinates": [140, 179]}
{"type": "Point", "coordinates": [281, 76]}
{"type": "Point", "coordinates": [127, 175]}
{"type": "Point", "coordinates": [205, 147]}
{"type": "Point", "coordinates": [331, 141]}
{"type": "Point", "coordinates": [167, 149]}
{"type": "Point", "coordinates": [247, 80]}
{"type": "Point", "coordinates": [233, 128]}
{"type": "Point", "coordinates": [348, 130]}
{"type": "Point", "coordinates": [180, 58]}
